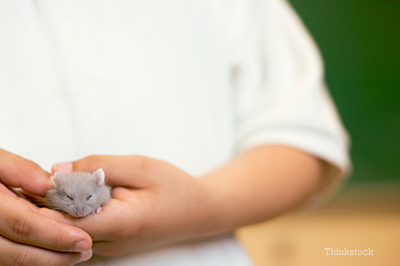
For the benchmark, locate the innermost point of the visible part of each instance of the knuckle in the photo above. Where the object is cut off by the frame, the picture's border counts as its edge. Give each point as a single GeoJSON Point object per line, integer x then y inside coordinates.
{"type": "Point", "coordinates": [90, 159]}
{"type": "Point", "coordinates": [31, 167]}
{"type": "Point", "coordinates": [21, 229]}
{"type": "Point", "coordinates": [141, 163]}
{"type": "Point", "coordinates": [89, 162]}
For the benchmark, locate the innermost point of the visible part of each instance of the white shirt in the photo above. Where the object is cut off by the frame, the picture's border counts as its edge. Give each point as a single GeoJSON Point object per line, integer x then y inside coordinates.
{"type": "Point", "coordinates": [189, 82]}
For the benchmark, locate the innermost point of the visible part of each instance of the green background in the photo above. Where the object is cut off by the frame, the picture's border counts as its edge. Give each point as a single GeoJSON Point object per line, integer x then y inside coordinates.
{"type": "Point", "coordinates": [360, 43]}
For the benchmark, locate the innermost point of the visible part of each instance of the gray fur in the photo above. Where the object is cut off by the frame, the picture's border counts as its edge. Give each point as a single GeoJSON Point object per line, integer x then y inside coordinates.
{"type": "Point", "coordinates": [87, 196]}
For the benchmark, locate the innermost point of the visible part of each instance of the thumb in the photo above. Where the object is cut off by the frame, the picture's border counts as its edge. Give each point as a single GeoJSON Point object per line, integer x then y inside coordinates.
{"type": "Point", "coordinates": [16, 171]}
{"type": "Point", "coordinates": [126, 171]}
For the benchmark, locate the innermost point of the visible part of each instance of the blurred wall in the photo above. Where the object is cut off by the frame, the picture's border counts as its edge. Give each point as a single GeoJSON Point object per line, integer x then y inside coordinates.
{"type": "Point", "coordinates": [360, 43]}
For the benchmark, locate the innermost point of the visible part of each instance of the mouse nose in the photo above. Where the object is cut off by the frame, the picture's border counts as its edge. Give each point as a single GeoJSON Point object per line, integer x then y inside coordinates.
{"type": "Point", "coordinates": [79, 214]}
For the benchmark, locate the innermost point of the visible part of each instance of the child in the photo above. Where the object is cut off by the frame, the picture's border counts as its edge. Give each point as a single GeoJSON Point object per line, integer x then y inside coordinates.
{"type": "Point", "coordinates": [231, 92]}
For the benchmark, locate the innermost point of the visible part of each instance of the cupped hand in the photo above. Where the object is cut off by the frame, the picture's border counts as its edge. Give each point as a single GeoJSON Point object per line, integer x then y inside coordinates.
{"type": "Point", "coordinates": [27, 235]}
{"type": "Point", "coordinates": [153, 203]}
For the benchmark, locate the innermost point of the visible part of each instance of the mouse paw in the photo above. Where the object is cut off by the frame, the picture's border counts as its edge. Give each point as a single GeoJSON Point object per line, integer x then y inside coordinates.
{"type": "Point", "coordinates": [98, 210]}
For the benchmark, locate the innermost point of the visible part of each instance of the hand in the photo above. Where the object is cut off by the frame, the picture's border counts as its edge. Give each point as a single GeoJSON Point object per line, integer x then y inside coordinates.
{"type": "Point", "coordinates": [154, 203]}
{"type": "Point", "coordinates": [27, 236]}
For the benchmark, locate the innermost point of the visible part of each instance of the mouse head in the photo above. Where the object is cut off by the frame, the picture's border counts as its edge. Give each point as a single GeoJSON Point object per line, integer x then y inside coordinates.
{"type": "Point", "coordinates": [78, 193]}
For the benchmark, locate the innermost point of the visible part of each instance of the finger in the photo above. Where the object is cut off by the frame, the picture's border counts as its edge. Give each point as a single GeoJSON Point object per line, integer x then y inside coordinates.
{"type": "Point", "coordinates": [16, 171]}
{"type": "Point", "coordinates": [128, 171]}
{"type": "Point", "coordinates": [11, 193]}
{"type": "Point", "coordinates": [20, 224]}
{"type": "Point", "coordinates": [5, 190]}
{"type": "Point", "coordinates": [12, 253]}
{"type": "Point", "coordinates": [27, 203]}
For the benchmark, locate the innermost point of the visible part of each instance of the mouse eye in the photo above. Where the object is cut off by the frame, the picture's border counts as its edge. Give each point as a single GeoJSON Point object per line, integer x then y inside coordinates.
{"type": "Point", "coordinates": [71, 198]}
{"type": "Point", "coordinates": [88, 197]}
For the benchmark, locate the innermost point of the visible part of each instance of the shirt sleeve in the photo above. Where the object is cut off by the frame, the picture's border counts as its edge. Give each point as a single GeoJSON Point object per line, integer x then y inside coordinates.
{"type": "Point", "coordinates": [282, 99]}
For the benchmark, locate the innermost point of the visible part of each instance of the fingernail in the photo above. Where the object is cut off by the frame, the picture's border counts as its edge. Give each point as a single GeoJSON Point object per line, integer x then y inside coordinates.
{"type": "Point", "coordinates": [82, 246]}
{"type": "Point", "coordinates": [86, 255]}
{"type": "Point", "coordinates": [63, 168]}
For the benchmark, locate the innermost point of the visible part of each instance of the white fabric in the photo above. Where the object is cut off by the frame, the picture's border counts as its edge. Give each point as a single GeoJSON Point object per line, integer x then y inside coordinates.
{"type": "Point", "coordinates": [189, 82]}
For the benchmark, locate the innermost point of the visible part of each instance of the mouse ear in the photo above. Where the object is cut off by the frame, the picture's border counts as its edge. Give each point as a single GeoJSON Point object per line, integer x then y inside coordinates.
{"type": "Point", "coordinates": [55, 179]}
{"type": "Point", "coordinates": [99, 176]}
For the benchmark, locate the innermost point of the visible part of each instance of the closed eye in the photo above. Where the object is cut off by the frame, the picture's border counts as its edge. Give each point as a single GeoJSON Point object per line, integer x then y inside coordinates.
{"type": "Point", "coordinates": [88, 197]}
{"type": "Point", "coordinates": [71, 198]}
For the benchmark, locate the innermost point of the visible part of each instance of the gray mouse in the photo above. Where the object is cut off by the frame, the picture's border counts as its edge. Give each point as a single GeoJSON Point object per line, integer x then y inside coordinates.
{"type": "Point", "coordinates": [78, 193]}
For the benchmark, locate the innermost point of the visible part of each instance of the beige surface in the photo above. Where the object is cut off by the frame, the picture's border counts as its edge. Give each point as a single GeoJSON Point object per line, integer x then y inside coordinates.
{"type": "Point", "coordinates": [362, 217]}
